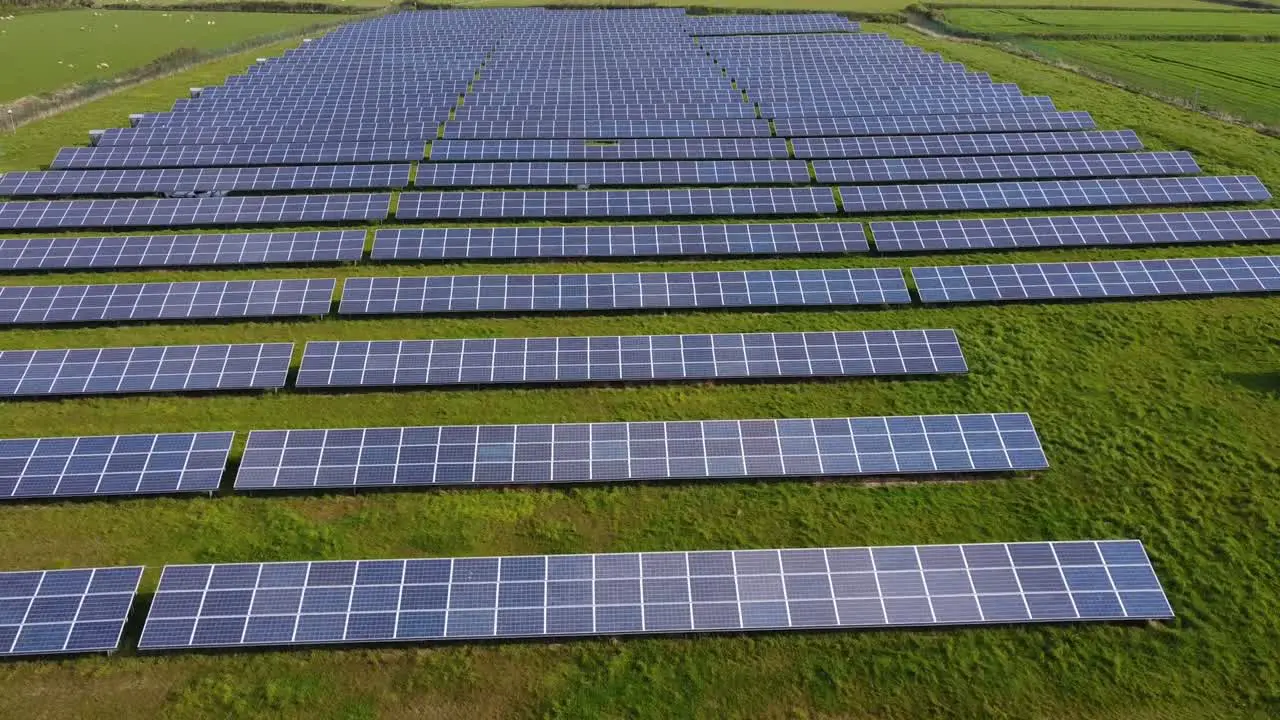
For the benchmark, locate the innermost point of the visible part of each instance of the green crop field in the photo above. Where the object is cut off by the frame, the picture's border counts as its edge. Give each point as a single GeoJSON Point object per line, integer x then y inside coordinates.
{"type": "Point", "coordinates": [43, 52]}
{"type": "Point", "coordinates": [1236, 78]}
{"type": "Point", "coordinates": [1159, 420]}
{"type": "Point", "coordinates": [1114, 23]}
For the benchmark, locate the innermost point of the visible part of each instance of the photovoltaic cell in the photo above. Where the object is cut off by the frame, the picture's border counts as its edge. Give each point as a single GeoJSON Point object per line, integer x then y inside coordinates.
{"type": "Point", "coordinates": [40, 304]}
{"type": "Point", "coordinates": [192, 212]}
{"type": "Point", "coordinates": [181, 250]}
{"type": "Point", "coordinates": [203, 180]}
{"type": "Point", "coordinates": [1006, 167]}
{"type": "Point", "coordinates": [108, 465]}
{"type": "Point", "coordinates": [656, 172]}
{"type": "Point", "coordinates": [615, 291]}
{"type": "Point", "coordinates": [633, 149]}
{"type": "Point", "coordinates": [932, 124]}
{"type": "Point", "coordinates": [1048, 194]}
{"type": "Point", "coordinates": [54, 612]}
{"type": "Point", "coordinates": [171, 368]}
{"type": "Point", "coordinates": [616, 452]}
{"type": "Point", "coordinates": [614, 203]}
{"type": "Point", "coordinates": [984, 144]}
{"type": "Point", "coordinates": [177, 156]}
{"type": "Point", "coordinates": [629, 358]}
{"type": "Point", "coordinates": [1124, 278]}
{"type": "Point", "coordinates": [615, 241]}
{"type": "Point", "coordinates": [1078, 230]}
{"type": "Point", "coordinates": [432, 599]}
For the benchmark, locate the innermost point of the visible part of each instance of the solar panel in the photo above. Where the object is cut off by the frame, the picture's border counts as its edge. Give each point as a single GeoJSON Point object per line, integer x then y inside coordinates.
{"type": "Point", "coordinates": [417, 600]}
{"type": "Point", "coordinates": [985, 144]}
{"type": "Point", "coordinates": [171, 368]}
{"type": "Point", "coordinates": [615, 452]}
{"type": "Point", "coordinates": [613, 203]}
{"type": "Point", "coordinates": [128, 156]}
{"type": "Point", "coordinates": [527, 113]}
{"type": "Point", "coordinates": [932, 124]}
{"type": "Point", "coordinates": [110, 465]}
{"type": "Point", "coordinates": [923, 106]}
{"type": "Point", "coordinates": [54, 612]}
{"type": "Point", "coordinates": [531, 241]}
{"type": "Point", "coordinates": [181, 250]}
{"type": "Point", "coordinates": [603, 129]}
{"type": "Point", "coordinates": [192, 212]}
{"type": "Point", "coordinates": [40, 304]}
{"type": "Point", "coordinates": [632, 149]}
{"type": "Point", "coordinates": [653, 172]}
{"type": "Point", "coordinates": [614, 291]}
{"type": "Point", "coordinates": [1006, 167]}
{"type": "Point", "coordinates": [203, 180]}
{"type": "Point", "coordinates": [629, 358]}
{"type": "Point", "coordinates": [1077, 230]}
{"type": "Point", "coordinates": [1124, 278]}
{"type": "Point", "coordinates": [1050, 194]}
{"type": "Point", "coordinates": [294, 134]}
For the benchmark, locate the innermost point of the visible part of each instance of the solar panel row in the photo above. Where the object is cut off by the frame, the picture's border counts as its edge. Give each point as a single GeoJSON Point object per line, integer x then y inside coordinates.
{"type": "Point", "coordinates": [193, 212]}
{"type": "Point", "coordinates": [51, 612]}
{"type": "Point", "coordinates": [182, 250]}
{"type": "Point", "coordinates": [675, 172]}
{"type": "Point", "coordinates": [1005, 167]}
{"type": "Point", "coordinates": [203, 180]}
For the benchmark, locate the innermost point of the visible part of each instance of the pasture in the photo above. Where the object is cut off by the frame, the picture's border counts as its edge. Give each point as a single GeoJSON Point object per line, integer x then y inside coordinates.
{"type": "Point", "coordinates": [1112, 24]}
{"type": "Point", "coordinates": [1158, 418]}
{"type": "Point", "coordinates": [56, 49]}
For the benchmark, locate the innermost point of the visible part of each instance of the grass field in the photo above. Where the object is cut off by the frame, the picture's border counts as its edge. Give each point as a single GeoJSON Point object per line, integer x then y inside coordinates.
{"type": "Point", "coordinates": [1158, 418]}
{"type": "Point", "coordinates": [1116, 23]}
{"type": "Point", "coordinates": [1068, 4]}
{"type": "Point", "coordinates": [1237, 78]}
{"type": "Point", "coordinates": [58, 49]}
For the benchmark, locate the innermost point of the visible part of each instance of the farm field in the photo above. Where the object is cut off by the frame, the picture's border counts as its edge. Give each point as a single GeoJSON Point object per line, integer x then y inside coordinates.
{"type": "Point", "coordinates": [1070, 4]}
{"type": "Point", "coordinates": [1237, 78]}
{"type": "Point", "coordinates": [1158, 418]}
{"type": "Point", "coordinates": [57, 49]}
{"type": "Point", "coordinates": [1113, 23]}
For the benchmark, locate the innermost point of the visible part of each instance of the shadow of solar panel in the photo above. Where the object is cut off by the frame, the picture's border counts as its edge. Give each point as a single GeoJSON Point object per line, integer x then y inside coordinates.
{"type": "Point", "coordinates": [627, 149]}
{"type": "Point", "coordinates": [139, 182]}
{"type": "Point", "coordinates": [55, 612]}
{"type": "Point", "coordinates": [126, 156]}
{"type": "Point", "coordinates": [1006, 167]}
{"type": "Point", "coordinates": [1050, 194]}
{"type": "Point", "coordinates": [171, 368]}
{"type": "Point", "coordinates": [192, 212]}
{"type": "Point", "coordinates": [933, 124]}
{"type": "Point", "coordinates": [181, 250]}
{"type": "Point", "coordinates": [1078, 230]}
{"type": "Point", "coordinates": [615, 241]}
{"type": "Point", "coordinates": [638, 172]}
{"type": "Point", "coordinates": [422, 600]}
{"type": "Point", "coordinates": [603, 129]}
{"type": "Point", "coordinates": [613, 203]}
{"type": "Point", "coordinates": [109, 465]}
{"type": "Point", "coordinates": [620, 452]}
{"type": "Point", "coordinates": [630, 358]}
{"type": "Point", "coordinates": [40, 304]}
{"type": "Point", "coordinates": [1124, 278]}
{"type": "Point", "coordinates": [618, 291]}
{"type": "Point", "coordinates": [983, 144]}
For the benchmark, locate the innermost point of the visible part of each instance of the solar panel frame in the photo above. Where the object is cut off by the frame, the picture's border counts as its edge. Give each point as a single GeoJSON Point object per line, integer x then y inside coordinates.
{"type": "Point", "coordinates": [57, 612]}
{"type": "Point", "coordinates": [85, 253]}
{"type": "Point", "coordinates": [1104, 279]}
{"type": "Point", "coordinates": [154, 369]}
{"type": "Point", "coordinates": [619, 291]}
{"type": "Point", "coordinates": [469, 598]}
{"type": "Point", "coordinates": [112, 465]}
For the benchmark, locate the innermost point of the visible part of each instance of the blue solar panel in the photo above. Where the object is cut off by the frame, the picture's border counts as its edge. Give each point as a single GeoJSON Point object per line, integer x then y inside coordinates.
{"type": "Point", "coordinates": [614, 291]}
{"type": "Point", "coordinates": [108, 465]}
{"type": "Point", "coordinates": [421, 600]}
{"type": "Point", "coordinates": [932, 124]}
{"type": "Point", "coordinates": [1077, 230]}
{"type": "Point", "coordinates": [634, 172]}
{"type": "Point", "coordinates": [604, 129]}
{"type": "Point", "coordinates": [1005, 167]}
{"type": "Point", "coordinates": [41, 304]}
{"type": "Point", "coordinates": [533, 241]}
{"type": "Point", "coordinates": [181, 250]}
{"type": "Point", "coordinates": [172, 368]}
{"type": "Point", "coordinates": [613, 203]}
{"type": "Point", "coordinates": [192, 212]}
{"type": "Point", "coordinates": [55, 612]}
{"type": "Point", "coordinates": [1123, 278]}
{"type": "Point", "coordinates": [627, 149]}
{"type": "Point", "coordinates": [203, 180]}
{"type": "Point", "coordinates": [126, 156]}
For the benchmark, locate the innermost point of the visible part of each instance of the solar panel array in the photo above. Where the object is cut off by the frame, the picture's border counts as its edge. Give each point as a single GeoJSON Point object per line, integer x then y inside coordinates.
{"type": "Point", "coordinates": [629, 358]}
{"type": "Point", "coordinates": [54, 612]}
{"type": "Point", "coordinates": [159, 369]}
{"type": "Point", "coordinates": [179, 156]}
{"type": "Point", "coordinates": [41, 304]}
{"type": "Point", "coordinates": [613, 203]}
{"type": "Point", "coordinates": [192, 212]}
{"type": "Point", "coordinates": [932, 124]}
{"type": "Point", "coordinates": [203, 180]}
{"type": "Point", "coordinates": [1122, 278]}
{"type": "Point", "coordinates": [668, 149]}
{"type": "Point", "coordinates": [1006, 167]}
{"type": "Point", "coordinates": [356, 602]}
{"type": "Point", "coordinates": [985, 144]}
{"type": "Point", "coordinates": [674, 172]}
{"type": "Point", "coordinates": [618, 291]}
{"type": "Point", "coordinates": [108, 465]}
{"type": "Point", "coordinates": [615, 241]}
{"type": "Point", "coordinates": [139, 251]}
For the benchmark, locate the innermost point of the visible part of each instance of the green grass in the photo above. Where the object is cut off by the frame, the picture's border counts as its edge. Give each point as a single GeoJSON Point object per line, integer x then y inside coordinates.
{"type": "Point", "coordinates": [1067, 4]}
{"type": "Point", "coordinates": [1158, 419]}
{"type": "Point", "coordinates": [1235, 78]}
{"type": "Point", "coordinates": [57, 49]}
{"type": "Point", "coordinates": [1118, 23]}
